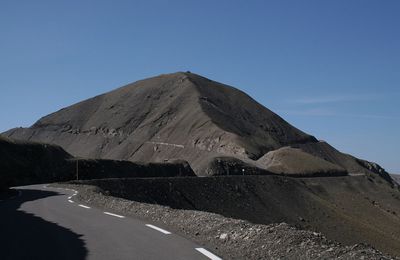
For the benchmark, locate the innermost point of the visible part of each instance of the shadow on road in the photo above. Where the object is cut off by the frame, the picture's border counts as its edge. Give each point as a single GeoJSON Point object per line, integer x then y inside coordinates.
{"type": "Point", "coordinates": [25, 236]}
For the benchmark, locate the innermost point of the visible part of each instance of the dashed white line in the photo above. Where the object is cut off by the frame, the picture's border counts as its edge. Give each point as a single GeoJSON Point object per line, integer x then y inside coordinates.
{"type": "Point", "coordinates": [208, 254]}
{"type": "Point", "coordinates": [159, 229]}
{"type": "Point", "coordinates": [114, 215]}
{"type": "Point", "coordinates": [83, 206]}
{"type": "Point", "coordinates": [70, 201]}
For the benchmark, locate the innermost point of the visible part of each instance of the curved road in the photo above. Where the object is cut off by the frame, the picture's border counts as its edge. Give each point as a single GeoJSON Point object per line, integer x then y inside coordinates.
{"type": "Point", "coordinates": [46, 223]}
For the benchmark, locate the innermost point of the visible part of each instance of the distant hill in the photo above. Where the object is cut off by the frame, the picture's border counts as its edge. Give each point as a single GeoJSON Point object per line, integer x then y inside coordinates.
{"type": "Point", "coordinates": [292, 161]}
{"type": "Point", "coordinates": [179, 116]}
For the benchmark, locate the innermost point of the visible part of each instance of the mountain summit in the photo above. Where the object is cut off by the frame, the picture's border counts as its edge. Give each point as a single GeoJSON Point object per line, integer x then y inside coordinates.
{"type": "Point", "coordinates": [177, 116]}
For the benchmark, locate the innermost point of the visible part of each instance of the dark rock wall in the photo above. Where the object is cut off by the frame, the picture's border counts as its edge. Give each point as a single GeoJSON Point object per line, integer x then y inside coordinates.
{"type": "Point", "coordinates": [29, 163]}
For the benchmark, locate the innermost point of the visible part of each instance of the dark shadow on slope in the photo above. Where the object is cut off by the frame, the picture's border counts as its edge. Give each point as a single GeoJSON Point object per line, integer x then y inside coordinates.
{"type": "Point", "coordinates": [26, 236]}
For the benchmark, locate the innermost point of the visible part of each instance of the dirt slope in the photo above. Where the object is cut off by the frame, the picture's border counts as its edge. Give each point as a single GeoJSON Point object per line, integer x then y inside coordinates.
{"type": "Point", "coordinates": [291, 161]}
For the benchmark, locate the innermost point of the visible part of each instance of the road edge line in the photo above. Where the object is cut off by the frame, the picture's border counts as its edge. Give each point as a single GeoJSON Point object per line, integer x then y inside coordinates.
{"type": "Point", "coordinates": [159, 229]}
{"type": "Point", "coordinates": [208, 253]}
{"type": "Point", "coordinates": [114, 215]}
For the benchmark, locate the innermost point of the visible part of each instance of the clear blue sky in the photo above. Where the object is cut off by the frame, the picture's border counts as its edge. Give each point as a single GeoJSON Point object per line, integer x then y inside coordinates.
{"type": "Point", "coordinates": [331, 68]}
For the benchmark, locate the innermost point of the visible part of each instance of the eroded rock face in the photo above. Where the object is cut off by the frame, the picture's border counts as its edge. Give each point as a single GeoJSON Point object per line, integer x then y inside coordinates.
{"type": "Point", "coordinates": [375, 168]}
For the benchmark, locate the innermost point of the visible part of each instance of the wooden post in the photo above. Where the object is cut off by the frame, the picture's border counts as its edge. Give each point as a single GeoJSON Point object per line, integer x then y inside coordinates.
{"type": "Point", "coordinates": [77, 169]}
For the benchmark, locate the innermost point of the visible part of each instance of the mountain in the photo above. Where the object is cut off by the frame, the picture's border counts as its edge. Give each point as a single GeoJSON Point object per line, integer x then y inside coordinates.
{"type": "Point", "coordinates": [178, 116]}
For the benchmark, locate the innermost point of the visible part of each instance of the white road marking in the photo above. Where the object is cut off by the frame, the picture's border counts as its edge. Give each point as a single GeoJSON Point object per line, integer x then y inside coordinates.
{"type": "Point", "coordinates": [158, 229]}
{"type": "Point", "coordinates": [70, 201]}
{"type": "Point", "coordinates": [208, 254]}
{"type": "Point", "coordinates": [83, 206]}
{"type": "Point", "coordinates": [70, 197]}
{"type": "Point", "coordinates": [112, 214]}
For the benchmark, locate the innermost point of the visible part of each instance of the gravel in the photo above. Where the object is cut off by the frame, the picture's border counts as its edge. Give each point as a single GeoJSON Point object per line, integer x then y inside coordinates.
{"type": "Point", "coordinates": [231, 238]}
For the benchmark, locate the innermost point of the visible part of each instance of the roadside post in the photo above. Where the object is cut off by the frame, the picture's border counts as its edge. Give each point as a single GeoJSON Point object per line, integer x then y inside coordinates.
{"type": "Point", "coordinates": [77, 169]}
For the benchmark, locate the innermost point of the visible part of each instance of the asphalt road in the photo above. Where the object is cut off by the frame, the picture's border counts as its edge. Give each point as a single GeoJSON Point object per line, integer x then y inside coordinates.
{"type": "Point", "coordinates": [46, 223]}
